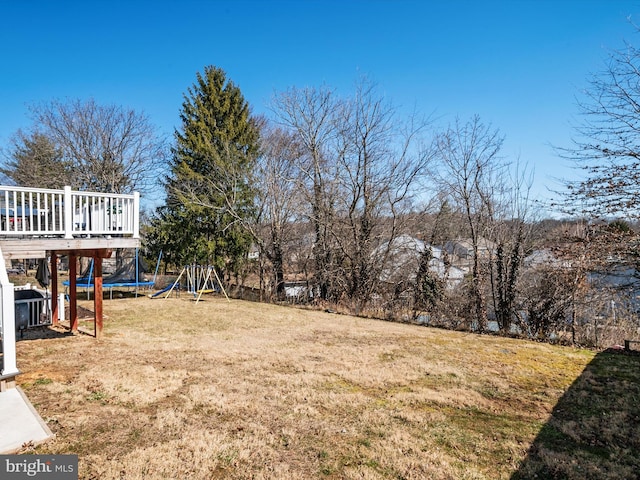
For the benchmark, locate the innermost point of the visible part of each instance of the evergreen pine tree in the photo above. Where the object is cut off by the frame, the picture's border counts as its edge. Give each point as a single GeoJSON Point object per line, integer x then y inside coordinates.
{"type": "Point", "coordinates": [34, 160]}
{"type": "Point", "coordinates": [209, 192]}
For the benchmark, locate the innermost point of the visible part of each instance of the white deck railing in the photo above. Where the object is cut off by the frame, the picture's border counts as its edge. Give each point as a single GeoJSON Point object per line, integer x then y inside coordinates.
{"type": "Point", "coordinates": [67, 213]}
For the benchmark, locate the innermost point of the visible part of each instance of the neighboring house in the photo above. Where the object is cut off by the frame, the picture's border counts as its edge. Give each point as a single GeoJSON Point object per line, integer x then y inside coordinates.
{"type": "Point", "coordinates": [540, 257]}
{"type": "Point", "coordinates": [545, 257]}
{"type": "Point", "coordinates": [404, 256]}
{"type": "Point", "coordinates": [461, 251]}
{"type": "Point", "coordinates": [614, 284]}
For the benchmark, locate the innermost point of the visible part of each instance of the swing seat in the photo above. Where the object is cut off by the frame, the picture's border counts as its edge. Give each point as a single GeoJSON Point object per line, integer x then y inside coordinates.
{"type": "Point", "coordinates": [206, 291]}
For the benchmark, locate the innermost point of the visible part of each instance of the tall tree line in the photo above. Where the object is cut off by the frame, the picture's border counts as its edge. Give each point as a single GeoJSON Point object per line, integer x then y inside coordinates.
{"type": "Point", "coordinates": [356, 173]}
{"type": "Point", "coordinates": [338, 176]}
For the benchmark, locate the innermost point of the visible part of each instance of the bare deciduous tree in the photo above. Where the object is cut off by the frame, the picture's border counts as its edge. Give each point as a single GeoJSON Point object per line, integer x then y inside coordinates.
{"type": "Point", "coordinates": [379, 159]}
{"type": "Point", "coordinates": [277, 178]}
{"type": "Point", "coordinates": [469, 162]}
{"type": "Point", "coordinates": [358, 173]}
{"type": "Point", "coordinates": [310, 115]}
{"type": "Point", "coordinates": [109, 148]}
{"type": "Point", "coordinates": [606, 145]}
{"type": "Point", "coordinates": [510, 230]}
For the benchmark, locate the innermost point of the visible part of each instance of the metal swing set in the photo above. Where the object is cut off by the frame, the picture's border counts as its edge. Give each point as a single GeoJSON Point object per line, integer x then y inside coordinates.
{"type": "Point", "coordinates": [199, 279]}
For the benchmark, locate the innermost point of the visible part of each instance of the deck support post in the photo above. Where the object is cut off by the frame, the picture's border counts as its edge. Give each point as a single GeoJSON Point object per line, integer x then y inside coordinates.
{"type": "Point", "coordinates": [54, 288]}
{"type": "Point", "coordinates": [73, 294]}
{"type": "Point", "coordinates": [97, 296]}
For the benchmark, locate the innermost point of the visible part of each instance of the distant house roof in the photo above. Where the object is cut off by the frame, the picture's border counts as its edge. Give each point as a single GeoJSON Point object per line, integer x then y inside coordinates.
{"type": "Point", "coordinates": [539, 257]}
{"type": "Point", "coordinates": [463, 247]}
{"type": "Point", "coordinates": [546, 257]}
{"type": "Point", "coordinates": [404, 255]}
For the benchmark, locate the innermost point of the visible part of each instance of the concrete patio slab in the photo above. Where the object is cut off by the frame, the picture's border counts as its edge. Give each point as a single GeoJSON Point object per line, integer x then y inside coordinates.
{"type": "Point", "coordinates": [19, 422]}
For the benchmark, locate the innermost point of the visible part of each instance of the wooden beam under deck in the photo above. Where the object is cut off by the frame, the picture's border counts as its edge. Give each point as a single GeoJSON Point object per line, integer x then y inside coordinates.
{"type": "Point", "coordinates": [24, 254]}
{"type": "Point", "coordinates": [95, 253]}
{"type": "Point", "coordinates": [16, 248]}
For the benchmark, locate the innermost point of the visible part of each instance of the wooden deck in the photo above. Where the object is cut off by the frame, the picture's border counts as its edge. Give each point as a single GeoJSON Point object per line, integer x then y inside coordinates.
{"type": "Point", "coordinates": [34, 221]}
{"type": "Point", "coordinates": [46, 223]}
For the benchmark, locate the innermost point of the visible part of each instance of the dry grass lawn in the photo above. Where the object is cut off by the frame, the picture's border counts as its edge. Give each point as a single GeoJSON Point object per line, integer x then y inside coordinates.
{"type": "Point", "coordinates": [242, 390]}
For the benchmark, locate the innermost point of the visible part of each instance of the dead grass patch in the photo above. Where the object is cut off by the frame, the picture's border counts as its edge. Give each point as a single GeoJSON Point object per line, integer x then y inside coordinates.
{"type": "Point", "coordinates": [242, 390]}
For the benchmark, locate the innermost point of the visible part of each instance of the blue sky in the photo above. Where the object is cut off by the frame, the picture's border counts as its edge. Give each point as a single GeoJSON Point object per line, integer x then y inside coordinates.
{"type": "Point", "coordinates": [517, 64]}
